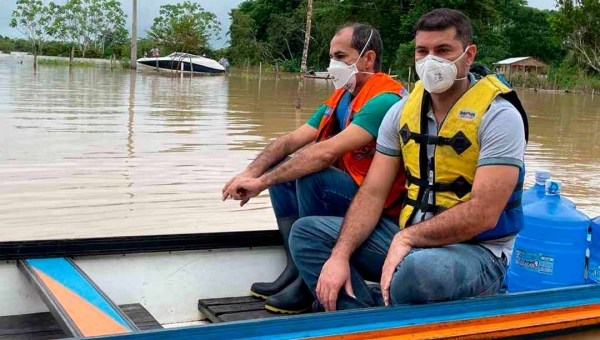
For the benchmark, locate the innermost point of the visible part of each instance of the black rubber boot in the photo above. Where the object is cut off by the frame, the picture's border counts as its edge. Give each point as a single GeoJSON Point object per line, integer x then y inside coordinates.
{"type": "Point", "coordinates": [294, 299]}
{"type": "Point", "coordinates": [290, 273]}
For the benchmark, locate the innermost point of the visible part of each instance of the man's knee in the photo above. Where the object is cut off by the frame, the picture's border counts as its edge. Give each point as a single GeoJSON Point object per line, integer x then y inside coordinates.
{"type": "Point", "coordinates": [314, 232]}
{"type": "Point", "coordinates": [417, 280]}
{"type": "Point", "coordinates": [301, 235]}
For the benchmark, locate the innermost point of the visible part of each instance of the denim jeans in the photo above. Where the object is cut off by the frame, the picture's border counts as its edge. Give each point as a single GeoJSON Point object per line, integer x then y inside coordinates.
{"type": "Point", "coordinates": [324, 193]}
{"type": "Point", "coordinates": [452, 272]}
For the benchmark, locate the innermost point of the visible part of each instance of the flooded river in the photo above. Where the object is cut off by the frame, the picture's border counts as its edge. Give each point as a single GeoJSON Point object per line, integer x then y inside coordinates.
{"type": "Point", "coordinates": [95, 153]}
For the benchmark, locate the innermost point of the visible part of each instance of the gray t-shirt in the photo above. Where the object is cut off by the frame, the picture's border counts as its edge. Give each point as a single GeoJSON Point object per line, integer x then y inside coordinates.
{"type": "Point", "coordinates": [501, 138]}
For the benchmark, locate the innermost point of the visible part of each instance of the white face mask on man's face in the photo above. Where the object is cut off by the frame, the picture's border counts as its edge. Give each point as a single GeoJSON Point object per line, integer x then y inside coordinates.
{"type": "Point", "coordinates": [438, 74]}
{"type": "Point", "coordinates": [344, 75]}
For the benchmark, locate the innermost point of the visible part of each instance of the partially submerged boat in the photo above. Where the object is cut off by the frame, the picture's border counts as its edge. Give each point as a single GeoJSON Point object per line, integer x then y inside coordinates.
{"type": "Point", "coordinates": [317, 75]}
{"type": "Point", "coordinates": [183, 62]}
{"type": "Point", "coordinates": [133, 287]}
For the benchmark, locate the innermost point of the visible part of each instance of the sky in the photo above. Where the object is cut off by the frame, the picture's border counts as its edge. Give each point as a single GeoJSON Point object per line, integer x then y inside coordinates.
{"type": "Point", "coordinates": [148, 10]}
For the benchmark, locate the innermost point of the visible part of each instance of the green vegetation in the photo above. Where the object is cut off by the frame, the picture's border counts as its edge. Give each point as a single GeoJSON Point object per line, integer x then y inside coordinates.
{"type": "Point", "coordinates": [184, 27]}
{"type": "Point", "coordinates": [63, 62]}
{"type": "Point", "coordinates": [568, 39]}
{"type": "Point", "coordinates": [271, 32]}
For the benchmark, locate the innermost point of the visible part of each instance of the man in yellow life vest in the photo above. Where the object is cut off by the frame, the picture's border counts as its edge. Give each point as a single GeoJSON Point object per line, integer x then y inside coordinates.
{"type": "Point", "coordinates": [324, 177]}
{"type": "Point", "coordinates": [461, 141]}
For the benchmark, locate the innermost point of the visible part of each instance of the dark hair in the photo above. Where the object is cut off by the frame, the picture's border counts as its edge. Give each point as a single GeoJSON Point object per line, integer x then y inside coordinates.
{"type": "Point", "coordinates": [442, 19]}
{"type": "Point", "coordinates": [360, 36]}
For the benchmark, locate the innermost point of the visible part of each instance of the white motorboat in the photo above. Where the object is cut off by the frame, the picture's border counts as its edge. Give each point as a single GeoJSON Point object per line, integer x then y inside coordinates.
{"type": "Point", "coordinates": [185, 62]}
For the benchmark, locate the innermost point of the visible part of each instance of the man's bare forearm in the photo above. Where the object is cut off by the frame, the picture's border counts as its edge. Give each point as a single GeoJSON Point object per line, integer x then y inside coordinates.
{"type": "Point", "coordinates": [272, 155]}
{"type": "Point", "coordinates": [360, 221]}
{"type": "Point", "coordinates": [459, 224]}
{"type": "Point", "coordinates": [313, 159]}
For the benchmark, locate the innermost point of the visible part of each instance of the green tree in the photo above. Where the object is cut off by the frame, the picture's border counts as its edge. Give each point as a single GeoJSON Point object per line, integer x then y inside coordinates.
{"type": "Point", "coordinates": [530, 34]}
{"type": "Point", "coordinates": [185, 27]}
{"type": "Point", "coordinates": [85, 22]}
{"type": "Point", "coordinates": [243, 40]}
{"type": "Point", "coordinates": [110, 24]}
{"type": "Point", "coordinates": [32, 19]}
{"type": "Point", "coordinates": [577, 23]}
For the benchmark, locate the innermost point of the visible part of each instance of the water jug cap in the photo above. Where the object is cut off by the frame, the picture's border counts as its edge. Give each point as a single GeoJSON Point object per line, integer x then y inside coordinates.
{"type": "Point", "coordinates": [553, 187]}
{"type": "Point", "coordinates": [541, 176]}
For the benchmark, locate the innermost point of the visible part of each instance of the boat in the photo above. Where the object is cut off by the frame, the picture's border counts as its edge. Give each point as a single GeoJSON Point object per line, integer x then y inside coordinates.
{"type": "Point", "coordinates": [196, 286]}
{"type": "Point", "coordinates": [317, 75]}
{"type": "Point", "coordinates": [185, 62]}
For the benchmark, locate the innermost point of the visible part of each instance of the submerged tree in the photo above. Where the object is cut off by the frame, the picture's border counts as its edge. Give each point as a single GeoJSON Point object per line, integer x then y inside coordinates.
{"type": "Point", "coordinates": [185, 27]}
{"type": "Point", "coordinates": [32, 19]}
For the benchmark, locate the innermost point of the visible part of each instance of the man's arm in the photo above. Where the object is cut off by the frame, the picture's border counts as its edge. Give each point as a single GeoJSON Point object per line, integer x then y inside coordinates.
{"type": "Point", "coordinates": [367, 205]}
{"type": "Point", "coordinates": [492, 188]}
{"type": "Point", "coordinates": [364, 127]}
{"type": "Point", "coordinates": [274, 153]}
{"type": "Point", "coordinates": [281, 148]}
{"type": "Point", "coordinates": [318, 156]}
{"type": "Point", "coordinates": [365, 210]}
{"type": "Point", "coordinates": [359, 223]}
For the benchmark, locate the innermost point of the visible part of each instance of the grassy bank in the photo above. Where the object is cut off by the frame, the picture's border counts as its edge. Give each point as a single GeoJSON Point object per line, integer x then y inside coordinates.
{"type": "Point", "coordinates": [562, 78]}
{"type": "Point", "coordinates": [82, 63]}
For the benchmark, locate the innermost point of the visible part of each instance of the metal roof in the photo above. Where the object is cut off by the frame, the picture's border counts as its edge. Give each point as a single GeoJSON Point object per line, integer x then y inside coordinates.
{"type": "Point", "coordinates": [510, 61]}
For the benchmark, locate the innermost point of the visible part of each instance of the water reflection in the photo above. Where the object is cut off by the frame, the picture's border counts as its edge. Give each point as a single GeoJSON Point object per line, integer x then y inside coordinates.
{"type": "Point", "coordinates": [98, 153]}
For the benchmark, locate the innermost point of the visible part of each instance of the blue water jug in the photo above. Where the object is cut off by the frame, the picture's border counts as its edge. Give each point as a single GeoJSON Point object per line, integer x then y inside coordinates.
{"type": "Point", "coordinates": [550, 250]}
{"type": "Point", "coordinates": [594, 263]}
{"type": "Point", "coordinates": [538, 190]}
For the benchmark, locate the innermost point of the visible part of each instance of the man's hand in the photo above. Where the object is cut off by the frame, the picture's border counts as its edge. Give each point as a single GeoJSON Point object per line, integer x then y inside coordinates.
{"type": "Point", "coordinates": [244, 174]}
{"type": "Point", "coordinates": [399, 248]}
{"type": "Point", "coordinates": [334, 275]}
{"type": "Point", "coordinates": [244, 188]}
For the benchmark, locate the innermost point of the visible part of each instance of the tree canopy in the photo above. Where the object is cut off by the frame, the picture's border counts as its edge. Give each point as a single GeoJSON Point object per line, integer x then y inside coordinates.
{"type": "Point", "coordinates": [184, 27]}
{"type": "Point", "coordinates": [269, 30]}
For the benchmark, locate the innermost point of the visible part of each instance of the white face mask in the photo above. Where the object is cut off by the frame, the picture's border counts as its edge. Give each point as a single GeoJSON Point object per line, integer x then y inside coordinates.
{"type": "Point", "coordinates": [344, 75]}
{"type": "Point", "coordinates": [437, 74]}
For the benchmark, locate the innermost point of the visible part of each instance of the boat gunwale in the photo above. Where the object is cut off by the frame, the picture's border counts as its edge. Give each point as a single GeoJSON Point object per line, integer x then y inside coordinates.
{"type": "Point", "coordinates": [359, 324]}
{"type": "Point", "coordinates": [17, 250]}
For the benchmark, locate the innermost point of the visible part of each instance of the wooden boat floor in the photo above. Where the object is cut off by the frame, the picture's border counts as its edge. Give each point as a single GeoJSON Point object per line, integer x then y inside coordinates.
{"type": "Point", "coordinates": [235, 309]}
{"type": "Point", "coordinates": [40, 326]}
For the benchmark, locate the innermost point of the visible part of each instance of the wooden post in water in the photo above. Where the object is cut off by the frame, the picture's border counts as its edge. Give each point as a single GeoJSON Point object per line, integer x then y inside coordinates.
{"type": "Point", "coordinates": [304, 53]}
{"type": "Point", "coordinates": [260, 69]}
{"type": "Point", "coordinates": [133, 63]}
{"type": "Point", "coordinates": [276, 68]}
{"type": "Point", "coordinates": [191, 68]}
{"type": "Point", "coordinates": [71, 56]}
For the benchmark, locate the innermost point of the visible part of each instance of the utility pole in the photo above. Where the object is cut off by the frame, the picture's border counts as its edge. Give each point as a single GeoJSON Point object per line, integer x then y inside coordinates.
{"type": "Point", "coordinates": [304, 52]}
{"type": "Point", "coordinates": [133, 63]}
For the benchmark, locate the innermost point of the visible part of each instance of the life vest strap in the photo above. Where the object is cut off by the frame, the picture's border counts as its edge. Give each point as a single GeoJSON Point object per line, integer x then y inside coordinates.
{"type": "Point", "coordinates": [460, 186]}
{"type": "Point", "coordinates": [459, 142]}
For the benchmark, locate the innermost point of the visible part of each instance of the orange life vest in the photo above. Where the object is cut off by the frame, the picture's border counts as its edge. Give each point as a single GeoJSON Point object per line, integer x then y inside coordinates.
{"type": "Point", "coordinates": [357, 162]}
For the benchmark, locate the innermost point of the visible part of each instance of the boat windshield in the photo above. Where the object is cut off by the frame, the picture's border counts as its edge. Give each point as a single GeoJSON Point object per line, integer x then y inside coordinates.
{"type": "Point", "coordinates": [181, 55]}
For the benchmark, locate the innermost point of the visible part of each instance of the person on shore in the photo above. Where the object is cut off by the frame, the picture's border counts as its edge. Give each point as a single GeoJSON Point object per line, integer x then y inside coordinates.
{"type": "Point", "coordinates": [461, 141]}
{"type": "Point", "coordinates": [323, 178]}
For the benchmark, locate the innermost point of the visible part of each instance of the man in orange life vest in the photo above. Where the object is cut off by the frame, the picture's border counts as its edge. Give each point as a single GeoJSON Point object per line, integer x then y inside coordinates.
{"type": "Point", "coordinates": [323, 178]}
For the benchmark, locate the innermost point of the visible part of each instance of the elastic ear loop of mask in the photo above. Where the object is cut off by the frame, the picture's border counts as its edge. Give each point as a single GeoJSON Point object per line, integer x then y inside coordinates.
{"type": "Point", "coordinates": [363, 51]}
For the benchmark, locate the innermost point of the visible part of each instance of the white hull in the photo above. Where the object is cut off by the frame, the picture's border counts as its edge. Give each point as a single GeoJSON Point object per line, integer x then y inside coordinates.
{"type": "Point", "coordinates": [183, 62]}
{"type": "Point", "coordinates": [167, 284]}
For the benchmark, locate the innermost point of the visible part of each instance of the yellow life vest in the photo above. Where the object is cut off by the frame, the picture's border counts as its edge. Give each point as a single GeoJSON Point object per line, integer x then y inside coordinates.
{"type": "Point", "coordinates": [456, 153]}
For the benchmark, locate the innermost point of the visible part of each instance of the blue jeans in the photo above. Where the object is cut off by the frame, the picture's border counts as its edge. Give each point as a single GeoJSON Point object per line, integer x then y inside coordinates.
{"type": "Point", "coordinates": [452, 272]}
{"type": "Point", "coordinates": [325, 193]}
